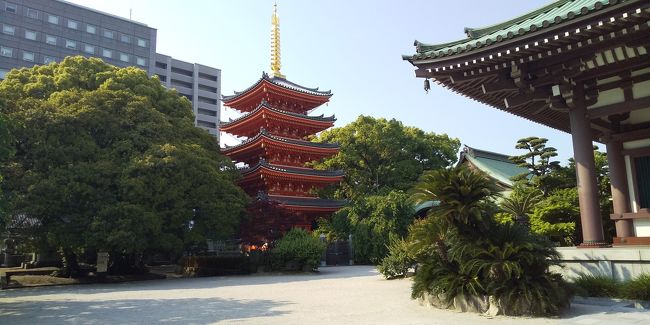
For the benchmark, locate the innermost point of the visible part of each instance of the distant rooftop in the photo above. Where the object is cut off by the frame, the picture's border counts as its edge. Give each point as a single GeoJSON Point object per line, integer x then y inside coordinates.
{"type": "Point", "coordinates": [103, 13]}
{"type": "Point", "coordinates": [497, 166]}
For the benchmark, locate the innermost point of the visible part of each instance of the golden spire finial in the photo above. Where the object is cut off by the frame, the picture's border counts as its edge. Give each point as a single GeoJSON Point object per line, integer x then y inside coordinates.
{"type": "Point", "coordinates": [275, 43]}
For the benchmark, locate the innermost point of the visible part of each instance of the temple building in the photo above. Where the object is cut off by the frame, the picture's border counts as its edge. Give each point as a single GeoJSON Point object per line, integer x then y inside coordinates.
{"type": "Point", "coordinates": [276, 125]}
{"type": "Point", "coordinates": [496, 166]}
{"type": "Point", "coordinates": [579, 66]}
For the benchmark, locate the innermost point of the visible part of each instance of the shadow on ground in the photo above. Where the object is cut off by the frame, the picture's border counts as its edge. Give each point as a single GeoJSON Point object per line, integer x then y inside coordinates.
{"type": "Point", "coordinates": [325, 273]}
{"type": "Point", "coordinates": [140, 311]}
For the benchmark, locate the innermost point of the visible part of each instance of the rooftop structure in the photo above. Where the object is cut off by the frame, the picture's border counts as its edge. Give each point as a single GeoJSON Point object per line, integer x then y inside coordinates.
{"type": "Point", "coordinates": [580, 66]}
{"type": "Point", "coordinates": [497, 166]}
{"type": "Point", "coordinates": [276, 123]}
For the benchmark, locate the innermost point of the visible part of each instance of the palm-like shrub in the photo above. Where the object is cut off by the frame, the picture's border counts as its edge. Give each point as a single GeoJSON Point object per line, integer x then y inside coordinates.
{"type": "Point", "coordinates": [469, 254]}
{"type": "Point", "coordinates": [521, 202]}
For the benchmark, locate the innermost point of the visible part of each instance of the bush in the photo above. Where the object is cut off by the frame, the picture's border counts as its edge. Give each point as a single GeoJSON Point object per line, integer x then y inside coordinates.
{"type": "Point", "coordinates": [638, 289]}
{"type": "Point", "coordinates": [297, 250]}
{"type": "Point", "coordinates": [397, 262]}
{"type": "Point", "coordinates": [596, 286]}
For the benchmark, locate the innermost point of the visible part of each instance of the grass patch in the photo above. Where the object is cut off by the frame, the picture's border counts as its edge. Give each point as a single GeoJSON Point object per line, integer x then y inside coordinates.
{"type": "Point", "coordinates": [596, 286]}
{"type": "Point", "coordinates": [637, 289]}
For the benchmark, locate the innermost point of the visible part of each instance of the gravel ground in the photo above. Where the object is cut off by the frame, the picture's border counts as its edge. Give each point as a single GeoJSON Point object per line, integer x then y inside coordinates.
{"type": "Point", "coordinates": [336, 295]}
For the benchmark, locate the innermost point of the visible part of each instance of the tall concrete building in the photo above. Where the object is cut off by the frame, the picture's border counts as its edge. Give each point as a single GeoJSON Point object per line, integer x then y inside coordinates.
{"type": "Point", "coordinates": [43, 31]}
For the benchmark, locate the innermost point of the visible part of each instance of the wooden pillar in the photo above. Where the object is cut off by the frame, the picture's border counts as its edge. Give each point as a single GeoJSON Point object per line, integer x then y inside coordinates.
{"type": "Point", "coordinates": [583, 153]}
{"type": "Point", "coordinates": [620, 195]}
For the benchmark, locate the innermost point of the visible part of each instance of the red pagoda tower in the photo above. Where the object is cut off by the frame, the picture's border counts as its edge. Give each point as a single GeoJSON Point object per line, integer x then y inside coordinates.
{"type": "Point", "coordinates": [276, 123]}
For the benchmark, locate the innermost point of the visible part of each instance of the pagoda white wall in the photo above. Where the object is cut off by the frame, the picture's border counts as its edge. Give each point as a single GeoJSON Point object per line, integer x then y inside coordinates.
{"type": "Point", "coordinates": [618, 263]}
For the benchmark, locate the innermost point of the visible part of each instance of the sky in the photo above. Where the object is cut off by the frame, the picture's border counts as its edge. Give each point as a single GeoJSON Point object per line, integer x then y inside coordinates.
{"type": "Point", "coordinates": [353, 48]}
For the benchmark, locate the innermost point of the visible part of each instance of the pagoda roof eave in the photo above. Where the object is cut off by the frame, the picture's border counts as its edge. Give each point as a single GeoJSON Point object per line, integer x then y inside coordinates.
{"type": "Point", "coordinates": [308, 202]}
{"type": "Point", "coordinates": [280, 82]}
{"type": "Point", "coordinates": [325, 120]}
{"type": "Point", "coordinates": [280, 140]}
{"type": "Point", "coordinates": [263, 165]}
{"type": "Point", "coordinates": [483, 39]}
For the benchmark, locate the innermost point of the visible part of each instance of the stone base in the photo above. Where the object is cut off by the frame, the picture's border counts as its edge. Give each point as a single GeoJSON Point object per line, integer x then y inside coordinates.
{"type": "Point", "coordinates": [624, 241]}
{"type": "Point", "coordinates": [619, 263]}
{"type": "Point", "coordinates": [487, 305]}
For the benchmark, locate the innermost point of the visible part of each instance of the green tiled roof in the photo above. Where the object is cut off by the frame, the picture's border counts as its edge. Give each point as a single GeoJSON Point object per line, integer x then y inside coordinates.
{"type": "Point", "coordinates": [496, 165]}
{"type": "Point", "coordinates": [547, 16]}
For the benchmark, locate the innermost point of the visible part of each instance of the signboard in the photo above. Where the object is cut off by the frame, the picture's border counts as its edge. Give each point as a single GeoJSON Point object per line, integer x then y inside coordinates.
{"type": "Point", "coordinates": [102, 262]}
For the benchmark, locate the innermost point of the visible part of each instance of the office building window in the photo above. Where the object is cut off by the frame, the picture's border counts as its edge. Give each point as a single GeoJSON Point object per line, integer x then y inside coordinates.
{"type": "Point", "coordinates": [109, 33]}
{"type": "Point", "coordinates": [8, 29]}
{"type": "Point", "coordinates": [73, 24]}
{"type": "Point", "coordinates": [142, 43]}
{"type": "Point", "coordinates": [70, 44]}
{"type": "Point", "coordinates": [89, 49]}
{"type": "Point", "coordinates": [53, 19]}
{"type": "Point", "coordinates": [124, 57]}
{"type": "Point", "coordinates": [6, 51]}
{"type": "Point", "coordinates": [141, 61]}
{"type": "Point", "coordinates": [48, 59]}
{"type": "Point", "coordinates": [31, 13]}
{"type": "Point", "coordinates": [49, 39]}
{"type": "Point", "coordinates": [91, 29]}
{"type": "Point", "coordinates": [10, 7]}
{"type": "Point", "coordinates": [107, 53]}
{"type": "Point", "coordinates": [30, 35]}
{"type": "Point", "coordinates": [28, 56]}
{"type": "Point", "coordinates": [125, 38]}
{"type": "Point", "coordinates": [206, 124]}
{"type": "Point", "coordinates": [3, 73]}
{"type": "Point", "coordinates": [161, 78]}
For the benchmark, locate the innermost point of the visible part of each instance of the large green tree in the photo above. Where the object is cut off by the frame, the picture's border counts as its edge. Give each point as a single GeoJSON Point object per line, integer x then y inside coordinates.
{"type": "Point", "coordinates": [379, 156]}
{"type": "Point", "coordinates": [109, 159]}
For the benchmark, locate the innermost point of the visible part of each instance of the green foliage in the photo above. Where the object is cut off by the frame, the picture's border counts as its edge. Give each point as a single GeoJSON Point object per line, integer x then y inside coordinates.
{"type": "Point", "coordinates": [109, 159]}
{"type": "Point", "coordinates": [6, 151]}
{"type": "Point", "coordinates": [638, 288]}
{"type": "Point", "coordinates": [379, 156]}
{"type": "Point", "coordinates": [521, 201]}
{"type": "Point", "coordinates": [597, 286]}
{"type": "Point", "coordinates": [464, 195]}
{"type": "Point", "coordinates": [461, 250]}
{"type": "Point", "coordinates": [373, 221]}
{"type": "Point", "coordinates": [398, 261]}
{"type": "Point", "coordinates": [297, 250]}
{"type": "Point", "coordinates": [537, 160]}
{"type": "Point", "coordinates": [555, 217]}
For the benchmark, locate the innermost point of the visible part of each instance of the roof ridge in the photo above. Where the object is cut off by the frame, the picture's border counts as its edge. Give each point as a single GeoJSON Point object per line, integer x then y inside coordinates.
{"type": "Point", "coordinates": [482, 31]}
{"type": "Point", "coordinates": [550, 15]}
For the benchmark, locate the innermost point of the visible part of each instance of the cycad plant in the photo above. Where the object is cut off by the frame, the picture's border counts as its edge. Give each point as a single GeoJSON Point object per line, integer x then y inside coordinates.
{"type": "Point", "coordinates": [521, 202]}
{"type": "Point", "coordinates": [470, 254]}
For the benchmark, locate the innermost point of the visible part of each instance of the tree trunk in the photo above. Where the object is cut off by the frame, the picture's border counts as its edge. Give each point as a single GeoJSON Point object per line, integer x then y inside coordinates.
{"type": "Point", "coordinates": [70, 264]}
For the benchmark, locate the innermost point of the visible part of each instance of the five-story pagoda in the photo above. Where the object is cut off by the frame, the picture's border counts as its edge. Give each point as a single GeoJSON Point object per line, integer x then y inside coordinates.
{"type": "Point", "coordinates": [276, 123]}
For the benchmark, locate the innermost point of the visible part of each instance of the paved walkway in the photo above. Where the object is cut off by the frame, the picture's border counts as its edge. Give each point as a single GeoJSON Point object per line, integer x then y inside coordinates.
{"type": "Point", "coordinates": [337, 295]}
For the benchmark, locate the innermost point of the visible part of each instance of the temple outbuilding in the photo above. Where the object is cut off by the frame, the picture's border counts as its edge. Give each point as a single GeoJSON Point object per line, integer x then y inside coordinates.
{"type": "Point", "coordinates": [579, 66]}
